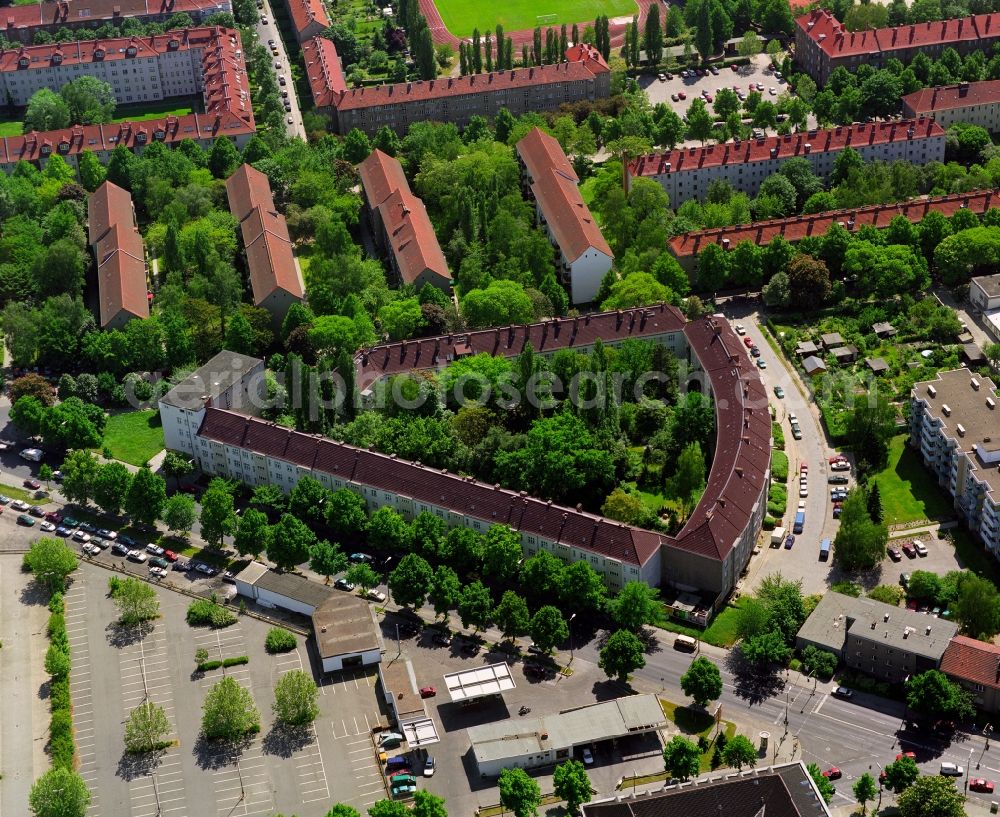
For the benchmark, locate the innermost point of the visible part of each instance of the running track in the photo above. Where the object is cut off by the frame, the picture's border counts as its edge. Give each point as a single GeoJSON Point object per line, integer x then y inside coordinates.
{"type": "Point", "coordinates": [441, 34]}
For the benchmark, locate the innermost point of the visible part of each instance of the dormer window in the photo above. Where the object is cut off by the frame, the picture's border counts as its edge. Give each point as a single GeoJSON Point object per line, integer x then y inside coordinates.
{"type": "Point", "coordinates": [64, 146]}
{"type": "Point", "coordinates": [46, 150]}
{"type": "Point", "coordinates": [174, 44]}
{"type": "Point", "coordinates": [130, 51]}
{"type": "Point", "coordinates": [159, 134]}
{"type": "Point", "coordinates": [140, 138]}
{"type": "Point", "coordinates": [98, 53]}
{"type": "Point", "coordinates": [56, 59]}
{"type": "Point", "coordinates": [23, 62]}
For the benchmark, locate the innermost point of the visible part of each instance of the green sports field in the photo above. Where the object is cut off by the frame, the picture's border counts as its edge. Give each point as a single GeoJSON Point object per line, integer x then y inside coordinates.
{"type": "Point", "coordinates": [461, 16]}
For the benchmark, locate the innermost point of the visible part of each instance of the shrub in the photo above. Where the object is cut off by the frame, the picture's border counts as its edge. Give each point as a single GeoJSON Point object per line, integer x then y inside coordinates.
{"type": "Point", "coordinates": [57, 632]}
{"type": "Point", "coordinates": [206, 613]}
{"type": "Point", "coordinates": [847, 588]}
{"type": "Point", "coordinates": [779, 466]}
{"type": "Point", "coordinates": [887, 594]}
{"type": "Point", "coordinates": [778, 435]}
{"type": "Point", "coordinates": [61, 739]}
{"type": "Point", "coordinates": [59, 694]}
{"type": "Point", "coordinates": [205, 666]}
{"type": "Point", "coordinates": [769, 523]}
{"type": "Point", "coordinates": [56, 603]}
{"type": "Point", "coordinates": [236, 661]}
{"type": "Point", "coordinates": [279, 640]}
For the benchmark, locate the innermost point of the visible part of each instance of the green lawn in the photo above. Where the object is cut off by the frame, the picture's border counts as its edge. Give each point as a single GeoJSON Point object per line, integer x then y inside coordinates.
{"type": "Point", "coordinates": [151, 110]}
{"type": "Point", "coordinates": [908, 490]}
{"type": "Point", "coordinates": [11, 128]}
{"type": "Point", "coordinates": [721, 631]}
{"type": "Point", "coordinates": [22, 494]}
{"type": "Point", "coordinates": [134, 437]}
{"type": "Point", "coordinates": [461, 16]}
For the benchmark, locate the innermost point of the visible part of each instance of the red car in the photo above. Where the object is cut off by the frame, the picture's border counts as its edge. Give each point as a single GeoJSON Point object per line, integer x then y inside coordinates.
{"type": "Point", "coordinates": [833, 773]}
{"type": "Point", "coordinates": [838, 458]}
{"type": "Point", "coordinates": [981, 784]}
{"type": "Point", "coordinates": [735, 67]}
{"type": "Point", "coordinates": [748, 342]}
{"type": "Point", "coordinates": [54, 516]}
{"type": "Point", "coordinates": [911, 755]}
{"type": "Point", "coordinates": [170, 556]}
{"type": "Point", "coordinates": [803, 467]}
{"type": "Point", "coordinates": [909, 550]}
{"type": "Point", "coordinates": [428, 692]}
{"type": "Point", "coordinates": [34, 484]}
{"type": "Point", "coordinates": [682, 95]}
{"type": "Point", "coordinates": [709, 98]}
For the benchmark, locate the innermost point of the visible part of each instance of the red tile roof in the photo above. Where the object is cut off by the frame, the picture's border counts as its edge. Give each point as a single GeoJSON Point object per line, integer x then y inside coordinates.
{"type": "Point", "coordinates": [783, 147]}
{"type": "Point", "coordinates": [836, 41]}
{"type": "Point", "coordinates": [737, 481]}
{"type": "Point", "coordinates": [226, 97]}
{"type": "Point", "coordinates": [306, 13]}
{"type": "Point", "coordinates": [247, 189]}
{"type": "Point", "coordinates": [974, 661]}
{"type": "Point", "coordinates": [926, 101]}
{"type": "Point", "coordinates": [546, 337]}
{"type": "Point", "coordinates": [45, 14]}
{"type": "Point", "coordinates": [106, 206]}
{"type": "Point", "coordinates": [464, 495]}
{"type": "Point", "coordinates": [796, 228]}
{"type": "Point", "coordinates": [269, 255]}
{"type": "Point", "coordinates": [121, 273]}
{"type": "Point", "coordinates": [85, 52]}
{"type": "Point", "coordinates": [554, 185]}
{"type": "Point", "coordinates": [408, 228]}
{"type": "Point", "coordinates": [270, 260]}
{"type": "Point", "coordinates": [323, 70]}
{"type": "Point", "coordinates": [381, 175]}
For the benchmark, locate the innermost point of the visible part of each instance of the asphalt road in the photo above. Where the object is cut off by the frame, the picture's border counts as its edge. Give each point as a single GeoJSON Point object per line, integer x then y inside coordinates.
{"type": "Point", "coordinates": [856, 736]}
{"type": "Point", "coordinates": [270, 32]}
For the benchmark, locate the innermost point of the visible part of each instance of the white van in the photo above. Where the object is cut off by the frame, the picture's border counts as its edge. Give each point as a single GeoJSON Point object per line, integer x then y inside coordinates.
{"type": "Point", "coordinates": [686, 643]}
{"type": "Point", "coordinates": [33, 454]}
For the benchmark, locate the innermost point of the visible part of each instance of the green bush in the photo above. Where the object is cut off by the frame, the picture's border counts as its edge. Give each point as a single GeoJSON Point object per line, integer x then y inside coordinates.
{"type": "Point", "coordinates": [279, 640]}
{"type": "Point", "coordinates": [56, 631]}
{"type": "Point", "coordinates": [769, 523]}
{"type": "Point", "coordinates": [56, 603]}
{"type": "Point", "coordinates": [847, 588]}
{"type": "Point", "coordinates": [887, 594]}
{"type": "Point", "coordinates": [236, 661]}
{"type": "Point", "coordinates": [205, 666]}
{"type": "Point", "coordinates": [61, 739]}
{"type": "Point", "coordinates": [206, 613]}
{"type": "Point", "coordinates": [778, 435]}
{"type": "Point", "coordinates": [795, 665]}
{"type": "Point", "coordinates": [59, 694]}
{"type": "Point", "coordinates": [779, 466]}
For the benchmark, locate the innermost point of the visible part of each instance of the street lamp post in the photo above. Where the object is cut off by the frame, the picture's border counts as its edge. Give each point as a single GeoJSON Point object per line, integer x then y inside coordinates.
{"type": "Point", "coordinates": [569, 625]}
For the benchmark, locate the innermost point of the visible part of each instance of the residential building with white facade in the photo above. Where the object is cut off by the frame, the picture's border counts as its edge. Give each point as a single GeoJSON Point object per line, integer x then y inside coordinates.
{"type": "Point", "coordinates": [702, 562]}
{"type": "Point", "coordinates": [955, 425]}
{"type": "Point", "coordinates": [686, 173]}
{"type": "Point", "coordinates": [972, 103]}
{"type": "Point", "coordinates": [548, 178]}
{"type": "Point", "coordinates": [984, 292]}
{"type": "Point", "coordinates": [229, 381]}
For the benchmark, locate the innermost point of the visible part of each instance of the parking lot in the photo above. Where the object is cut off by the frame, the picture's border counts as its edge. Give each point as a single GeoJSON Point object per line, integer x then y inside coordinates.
{"type": "Point", "coordinates": [692, 87]}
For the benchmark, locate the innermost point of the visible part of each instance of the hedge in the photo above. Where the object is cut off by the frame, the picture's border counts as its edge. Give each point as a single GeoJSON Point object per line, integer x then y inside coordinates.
{"type": "Point", "coordinates": [59, 694]}
{"type": "Point", "coordinates": [236, 661]}
{"type": "Point", "coordinates": [779, 466]}
{"type": "Point", "coordinates": [779, 435]}
{"type": "Point", "coordinates": [206, 613]}
{"type": "Point", "coordinates": [61, 739]}
{"type": "Point", "coordinates": [209, 665]}
{"type": "Point", "coordinates": [279, 640]}
{"type": "Point", "coordinates": [61, 747]}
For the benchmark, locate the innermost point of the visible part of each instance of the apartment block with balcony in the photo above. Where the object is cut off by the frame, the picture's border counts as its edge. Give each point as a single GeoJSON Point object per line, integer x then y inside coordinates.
{"type": "Point", "coordinates": [955, 425]}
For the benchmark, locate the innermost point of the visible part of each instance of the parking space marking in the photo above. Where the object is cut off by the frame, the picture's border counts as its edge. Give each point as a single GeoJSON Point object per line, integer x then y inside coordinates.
{"type": "Point", "coordinates": [83, 712]}
{"type": "Point", "coordinates": [242, 787]}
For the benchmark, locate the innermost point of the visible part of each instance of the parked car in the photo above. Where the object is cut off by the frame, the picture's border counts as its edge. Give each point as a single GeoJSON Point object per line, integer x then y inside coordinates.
{"type": "Point", "coordinates": [182, 566]}
{"type": "Point", "coordinates": [32, 483]}
{"type": "Point", "coordinates": [390, 737]}
{"type": "Point", "coordinates": [159, 572]}
{"type": "Point", "coordinates": [838, 479]}
{"type": "Point", "coordinates": [47, 526]}
{"type": "Point", "coordinates": [894, 554]}
{"type": "Point", "coordinates": [748, 342]}
{"type": "Point", "coordinates": [159, 561]}
{"type": "Point", "coordinates": [19, 505]}
{"type": "Point", "coordinates": [343, 584]}
{"type": "Point", "coordinates": [428, 692]}
{"type": "Point", "coordinates": [951, 769]}
{"type": "Point", "coordinates": [120, 549]}
{"type": "Point", "coordinates": [170, 556]}
{"type": "Point", "coordinates": [4, 500]}
{"type": "Point", "coordinates": [588, 756]}
{"type": "Point", "coordinates": [429, 768]}
{"type": "Point", "coordinates": [37, 511]}
{"type": "Point", "coordinates": [104, 533]}
{"type": "Point", "coordinates": [909, 550]}
{"type": "Point", "coordinates": [833, 773]}
{"type": "Point", "coordinates": [442, 639]}
{"type": "Point", "coordinates": [761, 363]}
{"type": "Point", "coordinates": [25, 520]}
{"type": "Point", "coordinates": [920, 548]}
{"type": "Point", "coordinates": [359, 558]}
{"type": "Point", "coordinates": [80, 536]}
{"type": "Point", "coordinates": [844, 692]}
{"type": "Point", "coordinates": [837, 511]}
{"type": "Point", "coordinates": [779, 392]}
{"type": "Point", "coordinates": [789, 541]}
{"type": "Point", "coordinates": [91, 549]}
{"type": "Point", "coordinates": [54, 516]}
{"type": "Point", "coordinates": [375, 595]}
{"type": "Point", "coordinates": [755, 351]}
{"type": "Point", "coordinates": [63, 531]}
{"type": "Point", "coordinates": [981, 784]}
{"type": "Point", "coordinates": [208, 570]}
{"type": "Point", "coordinates": [136, 556]}
{"type": "Point", "coordinates": [86, 527]}
{"type": "Point", "coordinates": [904, 579]}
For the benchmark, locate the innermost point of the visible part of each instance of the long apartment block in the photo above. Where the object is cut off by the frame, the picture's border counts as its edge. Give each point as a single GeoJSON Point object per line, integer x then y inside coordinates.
{"type": "Point", "coordinates": [209, 61]}
{"type": "Point", "coordinates": [209, 417]}
{"type": "Point", "coordinates": [20, 22]}
{"type": "Point", "coordinates": [549, 179]}
{"type": "Point", "coordinates": [955, 425]}
{"type": "Point", "coordinates": [686, 173]}
{"type": "Point", "coordinates": [972, 103]}
{"type": "Point", "coordinates": [686, 246]}
{"type": "Point", "coordinates": [823, 43]}
{"type": "Point", "coordinates": [583, 75]}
